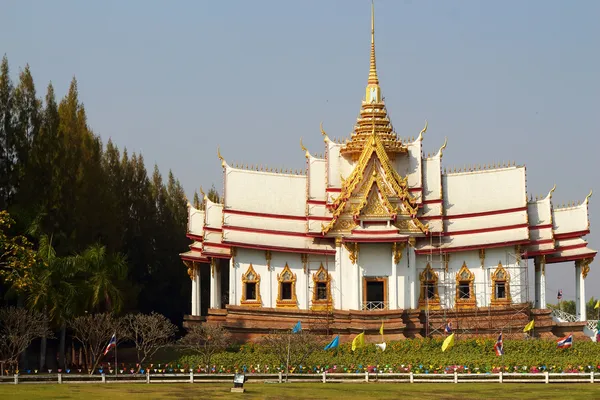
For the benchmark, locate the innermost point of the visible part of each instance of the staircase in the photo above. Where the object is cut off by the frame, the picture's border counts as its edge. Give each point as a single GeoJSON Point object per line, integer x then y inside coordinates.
{"type": "Point", "coordinates": [590, 327]}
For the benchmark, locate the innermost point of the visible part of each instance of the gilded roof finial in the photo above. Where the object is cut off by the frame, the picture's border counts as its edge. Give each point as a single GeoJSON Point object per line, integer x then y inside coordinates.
{"type": "Point", "coordinates": [551, 191]}
{"type": "Point", "coordinates": [223, 162]}
{"type": "Point", "coordinates": [373, 79]}
{"type": "Point", "coordinates": [306, 153]}
{"type": "Point", "coordinates": [420, 138]}
{"type": "Point", "coordinates": [325, 137]}
{"type": "Point", "coordinates": [203, 194]}
{"type": "Point", "coordinates": [441, 150]}
{"type": "Point", "coordinates": [587, 198]}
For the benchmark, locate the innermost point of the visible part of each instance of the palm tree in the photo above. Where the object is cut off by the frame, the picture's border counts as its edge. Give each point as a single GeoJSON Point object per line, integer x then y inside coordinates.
{"type": "Point", "coordinates": [53, 290]}
{"type": "Point", "coordinates": [104, 273]}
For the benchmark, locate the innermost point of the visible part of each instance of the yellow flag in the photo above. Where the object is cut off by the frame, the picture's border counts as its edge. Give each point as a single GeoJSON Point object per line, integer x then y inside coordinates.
{"type": "Point", "coordinates": [597, 305]}
{"type": "Point", "coordinates": [529, 326]}
{"type": "Point", "coordinates": [381, 329]}
{"type": "Point", "coordinates": [448, 342]}
{"type": "Point", "coordinates": [359, 341]}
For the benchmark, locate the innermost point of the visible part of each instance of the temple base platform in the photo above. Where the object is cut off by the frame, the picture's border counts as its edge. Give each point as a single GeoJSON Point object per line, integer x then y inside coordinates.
{"type": "Point", "coordinates": [249, 324]}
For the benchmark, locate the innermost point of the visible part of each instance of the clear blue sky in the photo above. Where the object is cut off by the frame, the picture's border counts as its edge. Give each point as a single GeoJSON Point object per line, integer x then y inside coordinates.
{"type": "Point", "coordinates": [504, 80]}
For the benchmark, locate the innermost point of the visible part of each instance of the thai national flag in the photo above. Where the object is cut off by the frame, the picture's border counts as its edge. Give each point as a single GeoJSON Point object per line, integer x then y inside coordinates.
{"type": "Point", "coordinates": [499, 346]}
{"type": "Point", "coordinates": [448, 328]}
{"type": "Point", "coordinates": [559, 296]}
{"type": "Point", "coordinates": [111, 344]}
{"type": "Point", "coordinates": [565, 342]}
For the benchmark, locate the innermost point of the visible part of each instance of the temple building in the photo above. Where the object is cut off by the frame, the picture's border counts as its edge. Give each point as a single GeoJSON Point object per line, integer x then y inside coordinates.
{"type": "Point", "coordinates": [377, 230]}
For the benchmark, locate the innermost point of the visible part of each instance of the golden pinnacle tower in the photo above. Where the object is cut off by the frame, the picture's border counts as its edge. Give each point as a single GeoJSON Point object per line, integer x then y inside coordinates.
{"type": "Point", "coordinates": [373, 114]}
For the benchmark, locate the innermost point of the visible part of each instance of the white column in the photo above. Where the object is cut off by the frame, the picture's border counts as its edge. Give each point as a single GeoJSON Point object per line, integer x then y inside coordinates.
{"type": "Point", "coordinates": [359, 280]}
{"type": "Point", "coordinates": [580, 291]}
{"type": "Point", "coordinates": [412, 277]}
{"type": "Point", "coordinates": [393, 284]}
{"type": "Point", "coordinates": [336, 290]}
{"type": "Point", "coordinates": [194, 299]}
{"type": "Point", "coordinates": [232, 282]}
{"type": "Point", "coordinates": [543, 286]}
{"type": "Point", "coordinates": [214, 287]}
{"type": "Point", "coordinates": [537, 283]}
{"type": "Point", "coordinates": [198, 284]}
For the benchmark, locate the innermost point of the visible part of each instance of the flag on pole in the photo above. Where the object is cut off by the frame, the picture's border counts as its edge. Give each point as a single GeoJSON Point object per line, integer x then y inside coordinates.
{"type": "Point", "coordinates": [297, 328]}
{"type": "Point", "coordinates": [448, 328]}
{"type": "Point", "coordinates": [529, 326]}
{"type": "Point", "coordinates": [499, 346]}
{"type": "Point", "coordinates": [565, 342]}
{"type": "Point", "coordinates": [559, 296]}
{"type": "Point", "coordinates": [359, 341]}
{"type": "Point", "coordinates": [112, 343]}
{"type": "Point", "coordinates": [597, 305]}
{"type": "Point", "coordinates": [334, 343]}
{"type": "Point", "coordinates": [381, 329]}
{"type": "Point", "coordinates": [448, 342]}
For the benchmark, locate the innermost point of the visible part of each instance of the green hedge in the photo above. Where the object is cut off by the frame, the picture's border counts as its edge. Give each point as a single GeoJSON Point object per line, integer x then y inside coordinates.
{"type": "Point", "coordinates": [418, 356]}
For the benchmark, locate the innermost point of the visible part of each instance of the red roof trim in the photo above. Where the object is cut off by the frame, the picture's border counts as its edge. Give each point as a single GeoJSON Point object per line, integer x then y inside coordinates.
{"type": "Point", "coordinates": [282, 249]}
{"type": "Point", "coordinates": [552, 260]}
{"type": "Point", "coordinates": [530, 254]}
{"type": "Point", "coordinates": [544, 241]}
{"type": "Point", "coordinates": [570, 235]}
{"type": "Point", "coordinates": [374, 232]}
{"type": "Point", "coordinates": [374, 240]}
{"type": "Point", "coordinates": [415, 189]}
{"type": "Point", "coordinates": [473, 247]}
{"type": "Point", "coordinates": [217, 255]}
{"type": "Point", "coordinates": [536, 227]}
{"type": "Point", "coordinates": [215, 230]}
{"type": "Point", "coordinates": [220, 245]}
{"type": "Point", "coordinates": [485, 230]}
{"type": "Point", "coordinates": [571, 247]}
{"type": "Point", "coordinates": [333, 189]}
{"type": "Point", "coordinates": [266, 215]}
{"type": "Point", "coordinates": [477, 214]}
{"type": "Point", "coordinates": [317, 218]}
{"type": "Point", "coordinates": [265, 231]}
{"type": "Point", "coordinates": [316, 202]}
{"type": "Point", "coordinates": [200, 260]}
{"type": "Point", "coordinates": [194, 237]}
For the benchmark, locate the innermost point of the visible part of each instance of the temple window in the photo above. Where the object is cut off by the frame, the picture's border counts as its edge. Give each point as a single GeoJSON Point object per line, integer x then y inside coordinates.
{"type": "Point", "coordinates": [321, 299]}
{"type": "Point", "coordinates": [251, 288]}
{"type": "Point", "coordinates": [286, 296]}
{"type": "Point", "coordinates": [465, 293]}
{"type": "Point", "coordinates": [500, 286]}
{"type": "Point", "coordinates": [429, 297]}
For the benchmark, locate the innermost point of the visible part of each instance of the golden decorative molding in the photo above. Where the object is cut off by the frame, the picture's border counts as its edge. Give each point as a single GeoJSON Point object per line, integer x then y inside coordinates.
{"type": "Point", "coordinates": [429, 278]}
{"type": "Point", "coordinates": [321, 277]}
{"type": "Point", "coordinates": [500, 276]}
{"type": "Point", "coordinates": [268, 259]}
{"type": "Point", "coordinates": [585, 266]}
{"type": "Point", "coordinates": [412, 242]}
{"type": "Point", "coordinates": [338, 242]}
{"type": "Point", "coordinates": [464, 275]}
{"type": "Point", "coordinates": [191, 266]}
{"type": "Point", "coordinates": [353, 249]}
{"type": "Point", "coordinates": [398, 250]}
{"type": "Point", "coordinates": [251, 277]}
{"type": "Point", "coordinates": [482, 257]}
{"type": "Point", "coordinates": [286, 277]}
{"type": "Point", "coordinates": [304, 258]}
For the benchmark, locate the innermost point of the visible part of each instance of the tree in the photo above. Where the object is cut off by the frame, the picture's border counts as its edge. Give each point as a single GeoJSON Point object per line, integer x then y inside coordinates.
{"type": "Point", "coordinates": [197, 203]}
{"type": "Point", "coordinates": [93, 331]}
{"type": "Point", "coordinates": [17, 256]}
{"type": "Point", "coordinates": [301, 345]}
{"type": "Point", "coordinates": [7, 148]}
{"type": "Point", "coordinates": [205, 340]}
{"type": "Point", "coordinates": [213, 195]}
{"type": "Point", "coordinates": [149, 333]}
{"type": "Point", "coordinates": [18, 328]}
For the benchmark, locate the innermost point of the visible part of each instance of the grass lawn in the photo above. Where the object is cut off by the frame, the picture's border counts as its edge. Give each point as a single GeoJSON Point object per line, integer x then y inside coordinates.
{"type": "Point", "coordinates": [303, 391]}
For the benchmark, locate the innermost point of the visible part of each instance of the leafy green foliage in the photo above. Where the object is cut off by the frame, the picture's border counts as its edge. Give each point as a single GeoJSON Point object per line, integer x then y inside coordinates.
{"type": "Point", "coordinates": [419, 356]}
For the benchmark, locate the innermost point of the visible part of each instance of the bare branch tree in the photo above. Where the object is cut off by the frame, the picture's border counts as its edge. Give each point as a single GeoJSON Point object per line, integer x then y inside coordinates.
{"type": "Point", "coordinates": [149, 333]}
{"type": "Point", "coordinates": [301, 346]}
{"type": "Point", "coordinates": [205, 340]}
{"type": "Point", "coordinates": [18, 328]}
{"type": "Point", "coordinates": [94, 331]}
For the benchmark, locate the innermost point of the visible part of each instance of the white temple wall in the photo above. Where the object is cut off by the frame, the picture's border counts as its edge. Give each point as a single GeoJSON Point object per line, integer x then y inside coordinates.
{"type": "Point", "coordinates": [294, 261]}
{"type": "Point", "coordinates": [258, 191]}
{"type": "Point", "coordinates": [350, 290]}
{"type": "Point", "coordinates": [195, 221]}
{"type": "Point", "coordinates": [374, 259]}
{"type": "Point", "coordinates": [432, 178]}
{"type": "Point", "coordinates": [489, 221]}
{"type": "Point", "coordinates": [415, 173]}
{"type": "Point", "coordinates": [243, 259]}
{"type": "Point", "coordinates": [333, 168]}
{"type": "Point", "coordinates": [316, 178]}
{"type": "Point", "coordinates": [403, 274]}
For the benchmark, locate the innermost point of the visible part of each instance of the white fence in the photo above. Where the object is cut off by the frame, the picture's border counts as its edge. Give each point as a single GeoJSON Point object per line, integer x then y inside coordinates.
{"type": "Point", "coordinates": [543, 377]}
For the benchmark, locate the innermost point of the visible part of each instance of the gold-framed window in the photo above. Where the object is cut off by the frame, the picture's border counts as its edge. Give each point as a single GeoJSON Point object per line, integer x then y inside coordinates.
{"type": "Point", "coordinates": [286, 293]}
{"type": "Point", "coordinates": [500, 287]}
{"type": "Point", "coordinates": [321, 296]}
{"type": "Point", "coordinates": [465, 290]}
{"type": "Point", "coordinates": [251, 288]}
{"type": "Point", "coordinates": [429, 297]}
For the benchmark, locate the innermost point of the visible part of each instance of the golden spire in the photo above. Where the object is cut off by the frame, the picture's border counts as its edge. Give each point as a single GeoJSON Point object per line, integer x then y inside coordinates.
{"type": "Point", "coordinates": [373, 80]}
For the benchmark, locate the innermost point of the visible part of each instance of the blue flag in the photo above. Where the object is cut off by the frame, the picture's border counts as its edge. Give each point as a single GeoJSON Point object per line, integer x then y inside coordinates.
{"type": "Point", "coordinates": [334, 343]}
{"type": "Point", "coordinates": [297, 328]}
